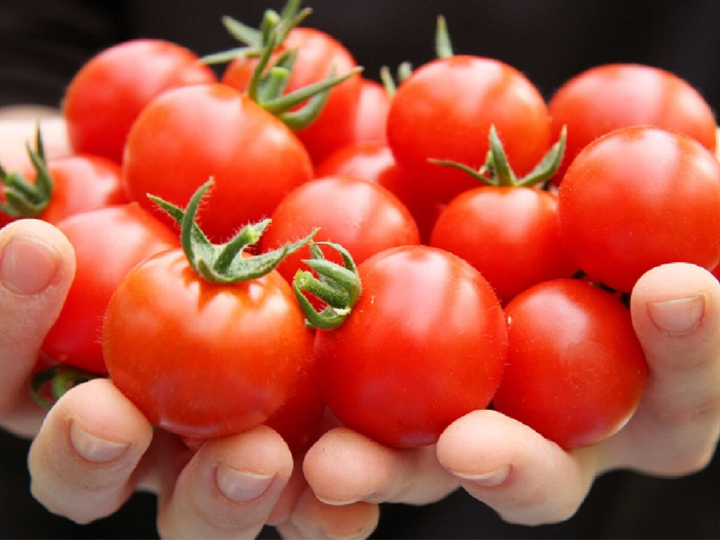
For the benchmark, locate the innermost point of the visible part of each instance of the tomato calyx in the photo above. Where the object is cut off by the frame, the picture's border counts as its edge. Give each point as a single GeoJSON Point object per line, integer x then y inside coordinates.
{"type": "Point", "coordinates": [224, 263]}
{"type": "Point", "coordinates": [497, 171]}
{"type": "Point", "coordinates": [24, 198]}
{"type": "Point", "coordinates": [49, 385]}
{"type": "Point", "coordinates": [338, 286]}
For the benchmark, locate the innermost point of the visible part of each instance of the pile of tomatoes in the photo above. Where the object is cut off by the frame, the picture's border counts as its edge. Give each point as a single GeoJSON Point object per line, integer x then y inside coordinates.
{"type": "Point", "coordinates": [397, 254]}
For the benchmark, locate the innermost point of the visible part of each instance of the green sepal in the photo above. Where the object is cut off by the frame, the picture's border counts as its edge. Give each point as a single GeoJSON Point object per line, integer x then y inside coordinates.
{"type": "Point", "coordinates": [24, 199]}
{"type": "Point", "coordinates": [496, 171]}
{"type": "Point", "coordinates": [61, 379]}
{"type": "Point", "coordinates": [443, 45]}
{"type": "Point", "coordinates": [338, 287]}
{"type": "Point", "coordinates": [224, 263]}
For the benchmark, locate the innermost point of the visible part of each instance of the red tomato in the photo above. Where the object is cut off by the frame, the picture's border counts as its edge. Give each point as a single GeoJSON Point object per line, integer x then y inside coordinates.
{"type": "Point", "coordinates": [372, 111]}
{"type": "Point", "coordinates": [613, 96]}
{"type": "Point", "coordinates": [373, 161]}
{"type": "Point", "coordinates": [108, 243]}
{"type": "Point", "coordinates": [637, 198]}
{"type": "Point", "coordinates": [80, 183]}
{"type": "Point", "coordinates": [362, 216]}
{"type": "Point", "coordinates": [424, 345]}
{"type": "Point", "coordinates": [190, 134]}
{"type": "Point", "coordinates": [109, 91]}
{"type": "Point", "coordinates": [199, 359]}
{"type": "Point", "coordinates": [575, 369]}
{"type": "Point", "coordinates": [509, 234]}
{"type": "Point", "coordinates": [445, 109]}
{"type": "Point", "coordinates": [318, 54]}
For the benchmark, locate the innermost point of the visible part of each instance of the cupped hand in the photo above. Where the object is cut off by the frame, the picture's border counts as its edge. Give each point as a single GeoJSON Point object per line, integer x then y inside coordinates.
{"type": "Point", "coordinates": [530, 480]}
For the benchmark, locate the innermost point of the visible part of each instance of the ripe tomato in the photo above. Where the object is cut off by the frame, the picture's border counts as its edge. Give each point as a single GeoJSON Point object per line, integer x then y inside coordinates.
{"type": "Point", "coordinates": [108, 243]}
{"type": "Point", "coordinates": [318, 54]}
{"type": "Point", "coordinates": [424, 345]}
{"type": "Point", "coordinates": [444, 111]}
{"type": "Point", "coordinates": [639, 197]}
{"type": "Point", "coordinates": [372, 111]}
{"type": "Point", "coordinates": [190, 134]}
{"type": "Point", "coordinates": [362, 216]}
{"type": "Point", "coordinates": [200, 359]}
{"type": "Point", "coordinates": [79, 183]}
{"type": "Point", "coordinates": [508, 233]}
{"type": "Point", "coordinates": [613, 96]}
{"type": "Point", "coordinates": [373, 161]}
{"type": "Point", "coordinates": [108, 92]}
{"type": "Point", "coordinates": [575, 369]}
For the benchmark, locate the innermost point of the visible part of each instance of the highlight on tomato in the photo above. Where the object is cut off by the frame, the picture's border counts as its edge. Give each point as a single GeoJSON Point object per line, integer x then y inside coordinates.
{"type": "Point", "coordinates": [575, 369]}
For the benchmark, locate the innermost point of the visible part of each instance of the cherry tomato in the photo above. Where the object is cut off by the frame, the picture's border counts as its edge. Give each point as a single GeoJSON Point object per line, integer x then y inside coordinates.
{"type": "Point", "coordinates": [613, 96]}
{"type": "Point", "coordinates": [639, 197]}
{"type": "Point", "coordinates": [362, 216]}
{"type": "Point", "coordinates": [108, 92]}
{"type": "Point", "coordinates": [190, 134]}
{"type": "Point", "coordinates": [318, 54]}
{"type": "Point", "coordinates": [445, 109]}
{"type": "Point", "coordinates": [509, 234]}
{"type": "Point", "coordinates": [424, 345]}
{"type": "Point", "coordinates": [80, 183]}
{"type": "Point", "coordinates": [108, 243]}
{"type": "Point", "coordinates": [575, 369]}
{"type": "Point", "coordinates": [374, 161]}
{"type": "Point", "coordinates": [372, 111]}
{"type": "Point", "coordinates": [200, 359]}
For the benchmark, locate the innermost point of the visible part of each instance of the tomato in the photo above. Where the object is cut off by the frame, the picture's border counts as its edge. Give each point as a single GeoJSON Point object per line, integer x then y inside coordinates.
{"type": "Point", "coordinates": [108, 243]}
{"type": "Point", "coordinates": [200, 359]}
{"type": "Point", "coordinates": [509, 234]}
{"type": "Point", "coordinates": [79, 183]}
{"type": "Point", "coordinates": [373, 161]}
{"type": "Point", "coordinates": [575, 369]}
{"type": "Point", "coordinates": [637, 198]}
{"type": "Point", "coordinates": [190, 134]}
{"type": "Point", "coordinates": [424, 345]}
{"type": "Point", "coordinates": [109, 91]}
{"type": "Point", "coordinates": [362, 216]}
{"type": "Point", "coordinates": [612, 96]}
{"type": "Point", "coordinates": [444, 111]}
{"type": "Point", "coordinates": [372, 111]}
{"type": "Point", "coordinates": [318, 54]}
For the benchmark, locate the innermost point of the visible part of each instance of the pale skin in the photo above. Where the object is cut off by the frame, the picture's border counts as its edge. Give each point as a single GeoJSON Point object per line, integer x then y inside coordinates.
{"type": "Point", "coordinates": [94, 449]}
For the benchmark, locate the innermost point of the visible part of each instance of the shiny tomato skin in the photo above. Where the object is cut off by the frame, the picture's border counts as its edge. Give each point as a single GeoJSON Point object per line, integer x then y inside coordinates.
{"type": "Point", "coordinates": [203, 360]}
{"type": "Point", "coordinates": [318, 54]}
{"type": "Point", "coordinates": [372, 110]}
{"type": "Point", "coordinates": [81, 182]}
{"type": "Point", "coordinates": [509, 234]}
{"type": "Point", "coordinates": [425, 344]}
{"type": "Point", "coordinates": [445, 109]}
{"type": "Point", "coordinates": [611, 96]}
{"type": "Point", "coordinates": [362, 216]}
{"type": "Point", "coordinates": [575, 370]}
{"type": "Point", "coordinates": [109, 91]}
{"type": "Point", "coordinates": [190, 134]}
{"type": "Point", "coordinates": [639, 197]}
{"type": "Point", "coordinates": [373, 161]}
{"type": "Point", "coordinates": [108, 243]}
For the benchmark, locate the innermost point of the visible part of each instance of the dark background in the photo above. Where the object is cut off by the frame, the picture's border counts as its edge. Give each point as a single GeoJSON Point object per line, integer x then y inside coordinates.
{"type": "Point", "coordinates": [43, 42]}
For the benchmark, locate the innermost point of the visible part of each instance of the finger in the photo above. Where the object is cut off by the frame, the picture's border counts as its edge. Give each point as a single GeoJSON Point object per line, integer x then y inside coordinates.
{"type": "Point", "coordinates": [37, 265]}
{"type": "Point", "coordinates": [83, 459]}
{"type": "Point", "coordinates": [344, 467]}
{"type": "Point", "coordinates": [508, 466]}
{"type": "Point", "coordinates": [228, 489]}
{"type": "Point", "coordinates": [313, 519]}
{"type": "Point", "coordinates": [676, 314]}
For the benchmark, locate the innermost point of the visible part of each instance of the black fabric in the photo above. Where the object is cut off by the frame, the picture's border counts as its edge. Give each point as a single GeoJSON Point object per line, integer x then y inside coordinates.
{"type": "Point", "coordinates": [43, 42]}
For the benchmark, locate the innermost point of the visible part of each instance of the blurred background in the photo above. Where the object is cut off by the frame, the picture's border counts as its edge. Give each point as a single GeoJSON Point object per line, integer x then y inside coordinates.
{"type": "Point", "coordinates": [43, 43]}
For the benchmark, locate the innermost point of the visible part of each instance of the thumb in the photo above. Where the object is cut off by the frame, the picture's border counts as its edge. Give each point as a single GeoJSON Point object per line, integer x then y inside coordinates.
{"type": "Point", "coordinates": [37, 265]}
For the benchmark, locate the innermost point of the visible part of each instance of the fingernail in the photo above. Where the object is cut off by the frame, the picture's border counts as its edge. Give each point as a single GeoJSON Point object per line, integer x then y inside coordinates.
{"type": "Point", "coordinates": [28, 266]}
{"type": "Point", "coordinates": [678, 316]}
{"type": "Point", "coordinates": [241, 486]}
{"type": "Point", "coordinates": [488, 479]}
{"type": "Point", "coordinates": [94, 448]}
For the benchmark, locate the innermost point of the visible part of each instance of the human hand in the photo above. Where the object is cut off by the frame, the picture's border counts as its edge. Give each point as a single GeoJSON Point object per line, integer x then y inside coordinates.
{"type": "Point", "coordinates": [18, 125]}
{"type": "Point", "coordinates": [94, 448]}
{"type": "Point", "coordinates": [676, 314]}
